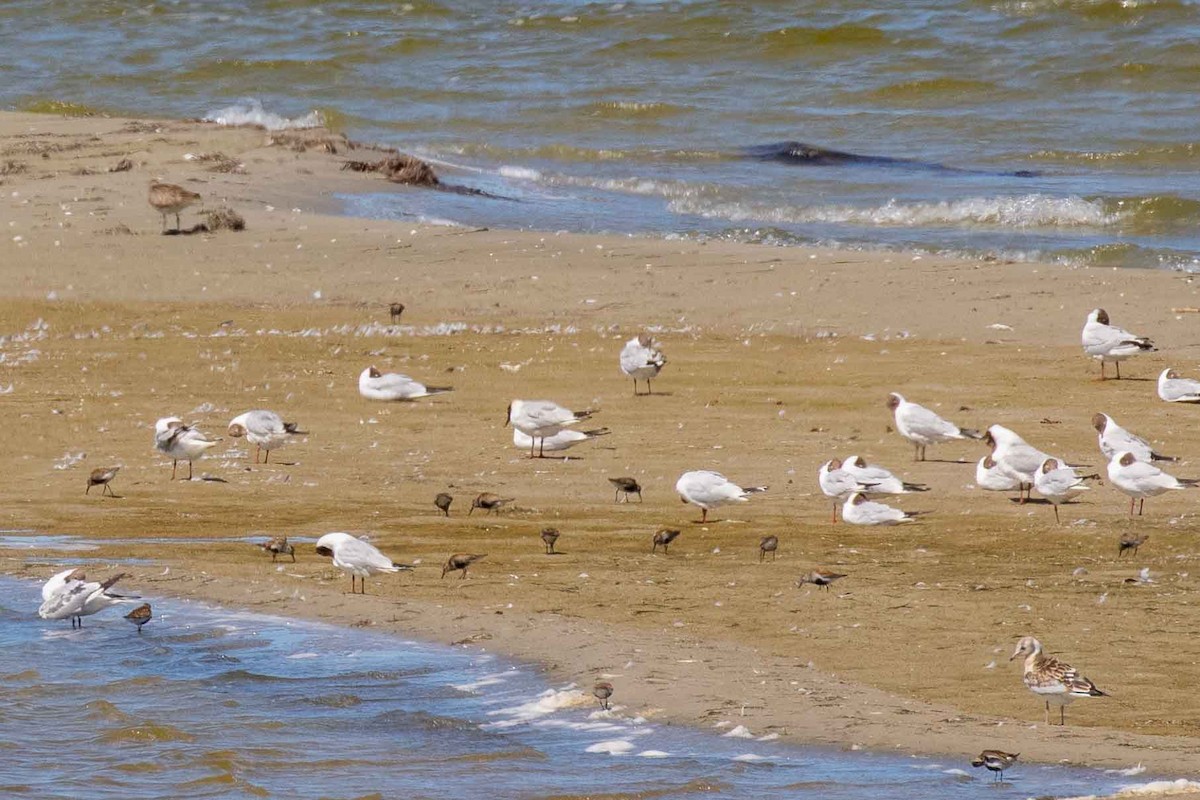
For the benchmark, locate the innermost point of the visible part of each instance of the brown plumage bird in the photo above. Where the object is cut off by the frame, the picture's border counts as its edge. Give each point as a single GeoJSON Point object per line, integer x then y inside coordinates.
{"type": "Point", "coordinates": [140, 616]}
{"type": "Point", "coordinates": [101, 477]}
{"type": "Point", "coordinates": [626, 485]}
{"type": "Point", "coordinates": [489, 502]}
{"type": "Point", "coordinates": [602, 691]}
{"type": "Point", "coordinates": [664, 537]}
{"type": "Point", "coordinates": [460, 561]}
{"type": "Point", "coordinates": [1131, 541]}
{"type": "Point", "coordinates": [443, 502]}
{"type": "Point", "coordinates": [769, 544]}
{"type": "Point", "coordinates": [279, 546]}
{"type": "Point", "coordinates": [995, 760]}
{"type": "Point", "coordinates": [396, 310]}
{"type": "Point", "coordinates": [167, 199]}
{"type": "Point", "coordinates": [821, 578]}
{"type": "Point", "coordinates": [549, 537]}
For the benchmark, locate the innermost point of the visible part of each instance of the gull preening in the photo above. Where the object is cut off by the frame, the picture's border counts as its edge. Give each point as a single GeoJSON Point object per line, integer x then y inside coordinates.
{"type": "Point", "coordinates": [101, 477]}
{"type": "Point", "coordinates": [1140, 479]}
{"type": "Point", "coordinates": [642, 361]}
{"type": "Point", "coordinates": [167, 199]}
{"type": "Point", "coordinates": [180, 442]}
{"type": "Point", "coordinates": [995, 760]}
{"type": "Point", "coordinates": [376, 385]}
{"type": "Point", "coordinates": [69, 595]}
{"type": "Point", "coordinates": [858, 510]}
{"type": "Point", "coordinates": [821, 578]}
{"type": "Point", "coordinates": [837, 483]}
{"type": "Point", "coordinates": [356, 557]}
{"type": "Point", "coordinates": [541, 419]}
{"type": "Point", "coordinates": [563, 440]}
{"type": "Point", "coordinates": [1109, 343]}
{"type": "Point", "coordinates": [990, 475]}
{"type": "Point", "coordinates": [266, 430]}
{"type": "Point", "coordinates": [922, 427]}
{"type": "Point", "coordinates": [1052, 680]}
{"type": "Point", "coordinates": [1114, 439]}
{"type": "Point", "coordinates": [708, 490]}
{"type": "Point", "coordinates": [879, 479]}
{"type": "Point", "coordinates": [1174, 389]}
{"type": "Point", "coordinates": [627, 486]}
{"type": "Point", "coordinates": [279, 546]}
{"type": "Point", "coordinates": [1058, 483]}
{"type": "Point", "coordinates": [140, 616]}
{"type": "Point", "coordinates": [1014, 455]}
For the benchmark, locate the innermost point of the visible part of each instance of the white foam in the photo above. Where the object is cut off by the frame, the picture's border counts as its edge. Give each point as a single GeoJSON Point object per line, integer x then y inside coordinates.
{"type": "Point", "coordinates": [654, 754]}
{"type": "Point", "coordinates": [486, 680]}
{"type": "Point", "coordinates": [613, 747]}
{"type": "Point", "coordinates": [305, 655]}
{"type": "Point", "coordinates": [740, 732]}
{"type": "Point", "coordinates": [546, 703]}
{"type": "Point", "coordinates": [1156, 788]}
{"type": "Point", "coordinates": [520, 173]}
{"type": "Point", "coordinates": [749, 757]}
{"type": "Point", "coordinates": [1128, 772]}
{"type": "Point", "coordinates": [251, 112]}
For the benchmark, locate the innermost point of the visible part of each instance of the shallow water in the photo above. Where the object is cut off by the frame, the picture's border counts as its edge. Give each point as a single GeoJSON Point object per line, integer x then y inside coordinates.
{"type": "Point", "coordinates": [212, 703]}
{"type": "Point", "coordinates": [1061, 129]}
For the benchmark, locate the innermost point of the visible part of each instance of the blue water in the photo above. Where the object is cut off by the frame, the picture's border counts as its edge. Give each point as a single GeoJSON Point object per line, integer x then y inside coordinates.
{"type": "Point", "coordinates": [212, 703]}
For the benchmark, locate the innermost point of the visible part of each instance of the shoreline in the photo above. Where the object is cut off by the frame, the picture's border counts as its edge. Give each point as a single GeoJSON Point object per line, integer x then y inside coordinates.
{"type": "Point", "coordinates": [777, 359]}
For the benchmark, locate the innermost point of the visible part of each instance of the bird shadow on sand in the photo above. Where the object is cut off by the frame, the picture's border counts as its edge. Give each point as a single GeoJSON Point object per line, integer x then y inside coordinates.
{"type": "Point", "coordinates": [655, 394]}
{"type": "Point", "coordinates": [211, 479]}
{"type": "Point", "coordinates": [199, 227]}
{"type": "Point", "coordinates": [1041, 501]}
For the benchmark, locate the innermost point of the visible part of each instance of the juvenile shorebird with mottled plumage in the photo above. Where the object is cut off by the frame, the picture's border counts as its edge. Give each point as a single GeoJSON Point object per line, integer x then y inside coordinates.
{"type": "Point", "coordinates": [102, 477]}
{"type": "Point", "coordinates": [460, 562]}
{"type": "Point", "coordinates": [1051, 679]}
{"type": "Point", "coordinates": [396, 309]}
{"type": "Point", "coordinates": [1131, 541]}
{"type": "Point", "coordinates": [443, 501]}
{"type": "Point", "coordinates": [769, 544]}
{"type": "Point", "coordinates": [821, 578]}
{"type": "Point", "coordinates": [140, 616]}
{"type": "Point", "coordinates": [664, 537]}
{"type": "Point", "coordinates": [627, 486]}
{"type": "Point", "coordinates": [279, 546]}
{"type": "Point", "coordinates": [602, 691]}
{"type": "Point", "coordinates": [549, 537]}
{"type": "Point", "coordinates": [491, 503]}
{"type": "Point", "coordinates": [167, 199]}
{"type": "Point", "coordinates": [995, 760]}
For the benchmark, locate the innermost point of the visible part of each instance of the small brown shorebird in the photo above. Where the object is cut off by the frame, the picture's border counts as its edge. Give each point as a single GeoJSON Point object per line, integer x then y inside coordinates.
{"type": "Point", "coordinates": [1131, 541]}
{"type": "Point", "coordinates": [460, 561]}
{"type": "Point", "coordinates": [602, 691]}
{"type": "Point", "coordinates": [396, 310]}
{"type": "Point", "coordinates": [101, 477]}
{"type": "Point", "coordinates": [549, 537]}
{"type": "Point", "coordinates": [664, 537]}
{"type": "Point", "coordinates": [995, 760]}
{"type": "Point", "coordinates": [443, 502]}
{"type": "Point", "coordinates": [279, 546]}
{"type": "Point", "coordinates": [821, 578]}
{"type": "Point", "coordinates": [489, 502]}
{"type": "Point", "coordinates": [167, 199]}
{"type": "Point", "coordinates": [769, 544]}
{"type": "Point", "coordinates": [627, 486]}
{"type": "Point", "coordinates": [140, 616]}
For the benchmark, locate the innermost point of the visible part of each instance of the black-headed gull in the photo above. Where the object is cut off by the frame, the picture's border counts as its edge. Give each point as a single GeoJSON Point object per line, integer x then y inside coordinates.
{"type": "Point", "coordinates": [266, 430]}
{"type": "Point", "coordinates": [880, 479]}
{"type": "Point", "coordinates": [922, 427]}
{"type": "Point", "coordinates": [708, 490]}
{"type": "Point", "coordinates": [563, 440]}
{"type": "Point", "coordinates": [642, 361]}
{"type": "Point", "coordinates": [180, 442]}
{"type": "Point", "coordinates": [837, 483]}
{"type": "Point", "coordinates": [69, 595]}
{"type": "Point", "coordinates": [1113, 439]}
{"type": "Point", "coordinates": [1058, 483]}
{"type": "Point", "coordinates": [1174, 389]}
{"type": "Point", "coordinates": [990, 475]}
{"type": "Point", "coordinates": [1052, 680]}
{"type": "Point", "coordinates": [356, 557]}
{"type": "Point", "coordinates": [376, 385]}
{"type": "Point", "coordinates": [858, 510]}
{"type": "Point", "coordinates": [1014, 455]}
{"type": "Point", "coordinates": [541, 419]}
{"type": "Point", "coordinates": [1141, 479]}
{"type": "Point", "coordinates": [1109, 343]}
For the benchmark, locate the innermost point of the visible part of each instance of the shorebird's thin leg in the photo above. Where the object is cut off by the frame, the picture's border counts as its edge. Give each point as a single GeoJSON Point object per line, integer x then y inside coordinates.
{"type": "Point", "coordinates": [617, 496]}
{"type": "Point", "coordinates": [1102, 369]}
{"type": "Point", "coordinates": [88, 490]}
{"type": "Point", "coordinates": [639, 494]}
{"type": "Point", "coordinates": [774, 553]}
{"type": "Point", "coordinates": [703, 515]}
{"type": "Point", "coordinates": [761, 555]}
{"type": "Point", "coordinates": [635, 391]}
{"type": "Point", "coordinates": [1048, 703]}
{"type": "Point", "coordinates": [460, 577]}
{"type": "Point", "coordinates": [111, 493]}
{"type": "Point", "coordinates": [1062, 715]}
{"type": "Point", "coordinates": [178, 224]}
{"type": "Point", "coordinates": [542, 448]}
{"type": "Point", "coordinates": [532, 443]}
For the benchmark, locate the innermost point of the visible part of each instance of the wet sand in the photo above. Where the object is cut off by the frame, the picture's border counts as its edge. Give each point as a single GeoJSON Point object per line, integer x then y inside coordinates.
{"type": "Point", "coordinates": [778, 360]}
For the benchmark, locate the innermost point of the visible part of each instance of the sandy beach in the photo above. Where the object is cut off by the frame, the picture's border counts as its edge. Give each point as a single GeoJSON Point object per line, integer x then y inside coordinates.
{"type": "Point", "coordinates": [778, 359]}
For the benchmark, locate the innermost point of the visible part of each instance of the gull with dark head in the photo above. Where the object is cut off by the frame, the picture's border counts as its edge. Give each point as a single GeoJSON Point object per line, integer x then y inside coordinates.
{"type": "Point", "coordinates": [266, 430]}
{"type": "Point", "coordinates": [880, 479]}
{"type": "Point", "coordinates": [837, 483]}
{"type": "Point", "coordinates": [922, 427]}
{"type": "Point", "coordinates": [1140, 480]}
{"type": "Point", "coordinates": [1107, 342]}
{"type": "Point", "coordinates": [376, 385]}
{"type": "Point", "coordinates": [356, 557]}
{"type": "Point", "coordinates": [1052, 680]}
{"type": "Point", "coordinates": [541, 419]}
{"type": "Point", "coordinates": [858, 510]}
{"type": "Point", "coordinates": [1014, 455]}
{"type": "Point", "coordinates": [180, 442]}
{"type": "Point", "coordinates": [1058, 483]}
{"type": "Point", "coordinates": [69, 595]}
{"type": "Point", "coordinates": [990, 475]}
{"type": "Point", "coordinates": [642, 361]}
{"type": "Point", "coordinates": [1174, 389]}
{"type": "Point", "coordinates": [563, 440]}
{"type": "Point", "coordinates": [1114, 439]}
{"type": "Point", "coordinates": [708, 490]}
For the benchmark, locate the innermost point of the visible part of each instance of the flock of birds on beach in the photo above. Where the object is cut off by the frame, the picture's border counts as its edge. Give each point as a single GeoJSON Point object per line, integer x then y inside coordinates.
{"type": "Point", "coordinates": [542, 426]}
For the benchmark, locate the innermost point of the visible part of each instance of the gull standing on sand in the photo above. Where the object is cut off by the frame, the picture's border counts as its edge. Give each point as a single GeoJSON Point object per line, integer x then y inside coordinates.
{"type": "Point", "coordinates": [1174, 389]}
{"type": "Point", "coordinates": [1109, 343]}
{"type": "Point", "coordinates": [709, 490]}
{"type": "Point", "coordinates": [266, 430]}
{"type": "Point", "coordinates": [563, 440]}
{"type": "Point", "coordinates": [1014, 455]}
{"type": "Point", "coordinates": [178, 441]}
{"type": "Point", "coordinates": [1140, 479]}
{"type": "Point", "coordinates": [641, 360]}
{"type": "Point", "coordinates": [167, 198]}
{"type": "Point", "coordinates": [69, 595]}
{"type": "Point", "coordinates": [356, 557]}
{"type": "Point", "coordinates": [376, 385]}
{"type": "Point", "coordinates": [1058, 483]}
{"type": "Point", "coordinates": [880, 479]}
{"type": "Point", "coordinates": [1047, 677]}
{"type": "Point", "coordinates": [541, 419]}
{"type": "Point", "coordinates": [991, 476]}
{"type": "Point", "coordinates": [922, 427]}
{"type": "Point", "coordinates": [837, 483]}
{"type": "Point", "coordinates": [1114, 439]}
{"type": "Point", "coordinates": [858, 510]}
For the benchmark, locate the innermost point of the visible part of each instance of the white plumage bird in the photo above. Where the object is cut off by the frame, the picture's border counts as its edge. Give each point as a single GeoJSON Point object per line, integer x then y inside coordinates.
{"type": "Point", "coordinates": [69, 595]}
{"type": "Point", "coordinates": [708, 490]}
{"type": "Point", "coordinates": [1107, 342]}
{"type": "Point", "coordinates": [642, 361]}
{"type": "Point", "coordinates": [563, 440]}
{"type": "Point", "coordinates": [880, 479]}
{"type": "Point", "coordinates": [1141, 479]}
{"type": "Point", "coordinates": [541, 420]}
{"type": "Point", "coordinates": [1114, 439]}
{"type": "Point", "coordinates": [837, 483]}
{"type": "Point", "coordinates": [1014, 455]}
{"type": "Point", "coordinates": [1052, 680]}
{"type": "Point", "coordinates": [390, 386]}
{"type": "Point", "coordinates": [1174, 389]}
{"type": "Point", "coordinates": [266, 430]}
{"type": "Point", "coordinates": [858, 510]}
{"type": "Point", "coordinates": [1058, 483]}
{"type": "Point", "coordinates": [990, 475]}
{"type": "Point", "coordinates": [356, 557]}
{"type": "Point", "coordinates": [180, 442]}
{"type": "Point", "coordinates": [922, 427]}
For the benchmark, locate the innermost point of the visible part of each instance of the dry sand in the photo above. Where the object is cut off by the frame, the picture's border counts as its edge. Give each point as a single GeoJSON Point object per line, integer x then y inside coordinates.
{"type": "Point", "coordinates": [778, 360]}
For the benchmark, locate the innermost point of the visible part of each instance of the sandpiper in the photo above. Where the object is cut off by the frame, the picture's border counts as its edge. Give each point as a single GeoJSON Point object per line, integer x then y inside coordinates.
{"type": "Point", "coordinates": [101, 477]}
{"type": "Point", "coordinates": [489, 502]}
{"type": "Point", "coordinates": [167, 199]}
{"type": "Point", "coordinates": [769, 544]}
{"type": "Point", "coordinates": [602, 691]}
{"type": "Point", "coordinates": [627, 486]}
{"type": "Point", "coordinates": [1049, 678]}
{"type": "Point", "coordinates": [663, 537]}
{"type": "Point", "coordinates": [396, 310]}
{"type": "Point", "coordinates": [995, 760]}
{"type": "Point", "coordinates": [279, 546]}
{"type": "Point", "coordinates": [460, 561]}
{"type": "Point", "coordinates": [443, 501]}
{"type": "Point", "coordinates": [549, 537]}
{"type": "Point", "coordinates": [140, 616]}
{"type": "Point", "coordinates": [1131, 541]}
{"type": "Point", "coordinates": [821, 578]}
